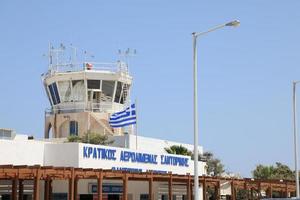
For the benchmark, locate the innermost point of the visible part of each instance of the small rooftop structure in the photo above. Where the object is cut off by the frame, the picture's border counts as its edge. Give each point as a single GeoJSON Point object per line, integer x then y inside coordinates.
{"type": "Point", "coordinates": [7, 133]}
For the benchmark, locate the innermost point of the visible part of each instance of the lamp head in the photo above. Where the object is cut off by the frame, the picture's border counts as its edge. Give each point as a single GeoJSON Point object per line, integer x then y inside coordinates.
{"type": "Point", "coordinates": [234, 23]}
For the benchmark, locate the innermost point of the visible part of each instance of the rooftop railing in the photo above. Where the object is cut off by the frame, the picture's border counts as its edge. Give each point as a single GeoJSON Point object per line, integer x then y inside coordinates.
{"type": "Point", "coordinates": [87, 66]}
{"type": "Point", "coordinates": [79, 107]}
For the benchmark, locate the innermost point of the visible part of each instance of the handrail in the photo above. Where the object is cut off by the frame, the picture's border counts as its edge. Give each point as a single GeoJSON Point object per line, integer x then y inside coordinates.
{"type": "Point", "coordinates": [94, 107]}
{"type": "Point", "coordinates": [87, 66]}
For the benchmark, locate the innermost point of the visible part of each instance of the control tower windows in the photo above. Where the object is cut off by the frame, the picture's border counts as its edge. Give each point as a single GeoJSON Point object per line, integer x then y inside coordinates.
{"type": "Point", "coordinates": [107, 90]}
{"type": "Point", "coordinates": [54, 93]}
{"type": "Point", "coordinates": [73, 128]}
{"type": "Point", "coordinates": [121, 93]}
{"type": "Point", "coordinates": [124, 93]}
{"type": "Point", "coordinates": [118, 92]}
{"type": "Point", "coordinates": [65, 90]}
{"type": "Point", "coordinates": [93, 84]}
{"type": "Point", "coordinates": [78, 91]}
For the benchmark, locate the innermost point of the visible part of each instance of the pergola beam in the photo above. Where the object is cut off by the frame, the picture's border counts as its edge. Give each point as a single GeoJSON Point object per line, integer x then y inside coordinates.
{"type": "Point", "coordinates": [37, 173]}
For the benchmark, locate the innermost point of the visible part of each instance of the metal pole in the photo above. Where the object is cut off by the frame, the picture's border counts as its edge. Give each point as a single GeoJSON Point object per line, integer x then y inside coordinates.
{"type": "Point", "coordinates": [295, 140]}
{"type": "Point", "coordinates": [196, 181]}
{"type": "Point", "coordinates": [136, 125]}
{"type": "Point", "coordinates": [195, 72]}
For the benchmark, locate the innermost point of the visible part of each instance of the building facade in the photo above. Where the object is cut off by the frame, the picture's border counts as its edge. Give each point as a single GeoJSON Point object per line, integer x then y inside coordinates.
{"type": "Point", "coordinates": [82, 98]}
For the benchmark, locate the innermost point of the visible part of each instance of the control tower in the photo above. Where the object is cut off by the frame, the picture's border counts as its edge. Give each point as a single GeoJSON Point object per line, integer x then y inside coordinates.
{"type": "Point", "coordinates": [83, 95]}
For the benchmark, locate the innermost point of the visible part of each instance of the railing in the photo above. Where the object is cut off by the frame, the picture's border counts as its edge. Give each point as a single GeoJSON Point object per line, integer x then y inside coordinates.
{"type": "Point", "coordinates": [79, 107]}
{"type": "Point", "coordinates": [87, 66]}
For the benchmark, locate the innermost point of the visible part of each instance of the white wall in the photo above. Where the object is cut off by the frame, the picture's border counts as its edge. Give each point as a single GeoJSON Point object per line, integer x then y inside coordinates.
{"type": "Point", "coordinates": [62, 155]}
{"type": "Point", "coordinates": [18, 152]}
{"type": "Point", "coordinates": [109, 164]}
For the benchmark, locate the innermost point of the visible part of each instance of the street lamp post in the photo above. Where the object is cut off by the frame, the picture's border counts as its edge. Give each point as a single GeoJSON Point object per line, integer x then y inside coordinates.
{"type": "Point", "coordinates": [195, 72]}
{"type": "Point", "coordinates": [295, 138]}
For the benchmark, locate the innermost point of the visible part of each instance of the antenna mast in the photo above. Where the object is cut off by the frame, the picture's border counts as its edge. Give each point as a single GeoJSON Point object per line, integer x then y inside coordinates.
{"type": "Point", "coordinates": [126, 54]}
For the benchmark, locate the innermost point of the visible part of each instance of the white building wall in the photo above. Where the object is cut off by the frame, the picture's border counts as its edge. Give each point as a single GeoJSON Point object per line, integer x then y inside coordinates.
{"type": "Point", "coordinates": [61, 155]}
{"type": "Point", "coordinates": [21, 152]}
{"type": "Point", "coordinates": [32, 152]}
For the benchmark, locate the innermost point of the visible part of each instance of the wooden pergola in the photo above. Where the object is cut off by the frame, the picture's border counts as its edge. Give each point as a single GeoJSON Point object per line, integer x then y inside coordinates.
{"type": "Point", "coordinates": [17, 174]}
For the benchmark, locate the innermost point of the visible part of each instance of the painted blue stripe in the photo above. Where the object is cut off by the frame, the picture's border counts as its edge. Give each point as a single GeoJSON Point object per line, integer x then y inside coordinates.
{"type": "Point", "coordinates": [118, 126]}
{"type": "Point", "coordinates": [124, 114]}
{"type": "Point", "coordinates": [127, 114]}
{"type": "Point", "coordinates": [132, 108]}
{"type": "Point", "coordinates": [122, 120]}
{"type": "Point", "coordinates": [121, 112]}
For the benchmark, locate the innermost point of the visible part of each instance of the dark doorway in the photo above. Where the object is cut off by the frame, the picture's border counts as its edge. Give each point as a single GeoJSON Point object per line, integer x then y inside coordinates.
{"type": "Point", "coordinates": [27, 197]}
{"type": "Point", "coordinates": [113, 197]}
{"type": "Point", "coordinates": [86, 197]}
{"type": "Point", "coordinates": [5, 197]}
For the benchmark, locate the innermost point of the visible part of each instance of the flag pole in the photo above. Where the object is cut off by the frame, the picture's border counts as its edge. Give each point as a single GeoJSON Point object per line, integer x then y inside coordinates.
{"type": "Point", "coordinates": [136, 125]}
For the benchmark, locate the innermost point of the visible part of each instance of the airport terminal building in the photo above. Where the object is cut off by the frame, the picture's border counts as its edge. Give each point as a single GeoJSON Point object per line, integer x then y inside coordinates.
{"type": "Point", "coordinates": [94, 98]}
{"type": "Point", "coordinates": [83, 98]}
{"type": "Point", "coordinates": [21, 151]}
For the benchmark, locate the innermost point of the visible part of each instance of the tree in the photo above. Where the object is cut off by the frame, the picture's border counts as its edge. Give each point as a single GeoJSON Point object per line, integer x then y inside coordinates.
{"type": "Point", "coordinates": [96, 138]}
{"type": "Point", "coordinates": [279, 171]}
{"type": "Point", "coordinates": [178, 150]}
{"type": "Point", "coordinates": [91, 138]}
{"type": "Point", "coordinates": [74, 138]}
{"type": "Point", "coordinates": [214, 167]}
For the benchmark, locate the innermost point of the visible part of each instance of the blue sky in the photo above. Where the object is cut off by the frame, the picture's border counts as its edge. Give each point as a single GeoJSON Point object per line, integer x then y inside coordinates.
{"type": "Point", "coordinates": [245, 73]}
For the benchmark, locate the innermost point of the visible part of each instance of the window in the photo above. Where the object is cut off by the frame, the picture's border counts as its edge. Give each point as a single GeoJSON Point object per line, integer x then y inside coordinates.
{"type": "Point", "coordinates": [108, 90]}
{"type": "Point", "coordinates": [93, 84]}
{"type": "Point", "coordinates": [60, 196]}
{"type": "Point", "coordinates": [118, 92]}
{"type": "Point", "coordinates": [73, 128]}
{"type": "Point", "coordinates": [65, 90]}
{"type": "Point", "coordinates": [54, 93]}
{"type": "Point", "coordinates": [144, 197]}
{"type": "Point", "coordinates": [48, 94]}
{"type": "Point", "coordinates": [164, 197]}
{"type": "Point", "coordinates": [78, 92]}
{"type": "Point", "coordinates": [124, 93]}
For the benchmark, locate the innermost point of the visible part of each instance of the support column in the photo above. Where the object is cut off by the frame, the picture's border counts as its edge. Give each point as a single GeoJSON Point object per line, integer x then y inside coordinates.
{"type": "Point", "coordinates": [233, 195]}
{"type": "Point", "coordinates": [151, 196]}
{"type": "Point", "coordinates": [286, 191]}
{"type": "Point", "coordinates": [218, 190]}
{"type": "Point", "coordinates": [188, 188]}
{"type": "Point", "coordinates": [99, 186]}
{"type": "Point", "coordinates": [125, 185]}
{"type": "Point", "coordinates": [47, 189]}
{"type": "Point", "coordinates": [246, 189]}
{"type": "Point", "coordinates": [251, 193]}
{"type": "Point", "coordinates": [71, 185]}
{"type": "Point", "coordinates": [204, 190]}
{"type": "Point", "coordinates": [50, 189]}
{"type": "Point", "coordinates": [75, 187]}
{"type": "Point", "coordinates": [281, 194]}
{"type": "Point", "coordinates": [170, 182]}
{"type": "Point", "coordinates": [36, 187]}
{"type": "Point", "coordinates": [14, 188]}
{"type": "Point", "coordinates": [21, 189]}
{"type": "Point", "coordinates": [270, 192]}
{"type": "Point", "coordinates": [259, 190]}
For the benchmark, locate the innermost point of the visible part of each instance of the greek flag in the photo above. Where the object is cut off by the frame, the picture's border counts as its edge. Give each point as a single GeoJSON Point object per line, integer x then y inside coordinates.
{"type": "Point", "coordinates": [123, 118]}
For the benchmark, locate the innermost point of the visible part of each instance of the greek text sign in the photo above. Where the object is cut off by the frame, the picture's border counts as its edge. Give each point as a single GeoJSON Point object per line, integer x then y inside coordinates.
{"type": "Point", "coordinates": [127, 156]}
